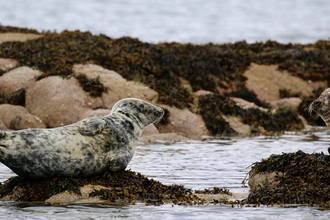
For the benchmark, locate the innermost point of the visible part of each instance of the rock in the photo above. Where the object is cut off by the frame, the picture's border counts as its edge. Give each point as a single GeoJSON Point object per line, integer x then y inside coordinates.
{"type": "Point", "coordinates": [150, 130]}
{"type": "Point", "coordinates": [8, 64]}
{"type": "Point", "coordinates": [291, 103]}
{"type": "Point", "coordinates": [262, 180]}
{"type": "Point", "coordinates": [237, 125]}
{"type": "Point", "coordinates": [246, 104]}
{"type": "Point", "coordinates": [4, 37]}
{"type": "Point", "coordinates": [96, 113]}
{"type": "Point", "coordinates": [16, 80]}
{"type": "Point", "coordinates": [117, 87]}
{"type": "Point", "coordinates": [266, 81]}
{"type": "Point", "coordinates": [185, 84]}
{"type": "Point", "coordinates": [3, 127]}
{"type": "Point", "coordinates": [202, 92]}
{"type": "Point", "coordinates": [183, 122]}
{"type": "Point", "coordinates": [58, 101]}
{"type": "Point", "coordinates": [67, 197]}
{"type": "Point", "coordinates": [17, 117]}
{"type": "Point", "coordinates": [290, 178]}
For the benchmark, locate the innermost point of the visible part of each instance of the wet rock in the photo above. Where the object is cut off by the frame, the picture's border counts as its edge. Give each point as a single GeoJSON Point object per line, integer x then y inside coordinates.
{"type": "Point", "coordinates": [14, 83]}
{"type": "Point", "coordinates": [266, 82]}
{"type": "Point", "coordinates": [246, 104]}
{"type": "Point", "coordinates": [116, 86]}
{"type": "Point", "coordinates": [236, 123]}
{"type": "Point", "coordinates": [22, 37]}
{"type": "Point", "coordinates": [261, 180]}
{"type": "Point", "coordinates": [8, 64]}
{"type": "Point", "coordinates": [59, 101]}
{"type": "Point", "coordinates": [67, 197]}
{"type": "Point", "coordinates": [290, 178]}
{"type": "Point", "coordinates": [17, 117]}
{"type": "Point", "coordinates": [291, 103]}
{"type": "Point", "coordinates": [183, 122]}
{"type": "Point", "coordinates": [202, 92]}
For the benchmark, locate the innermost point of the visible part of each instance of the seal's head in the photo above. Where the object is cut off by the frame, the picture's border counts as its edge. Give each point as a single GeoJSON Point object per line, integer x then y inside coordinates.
{"type": "Point", "coordinates": [322, 106]}
{"type": "Point", "coordinates": [142, 112]}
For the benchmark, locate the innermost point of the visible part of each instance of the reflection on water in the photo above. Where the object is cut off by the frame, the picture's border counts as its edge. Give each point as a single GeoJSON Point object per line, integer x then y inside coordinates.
{"type": "Point", "coordinates": [196, 164]}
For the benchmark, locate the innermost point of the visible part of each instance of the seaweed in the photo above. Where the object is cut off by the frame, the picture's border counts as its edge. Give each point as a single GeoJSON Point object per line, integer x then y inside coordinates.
{"type": "Point", "coordinates": [92, 86]}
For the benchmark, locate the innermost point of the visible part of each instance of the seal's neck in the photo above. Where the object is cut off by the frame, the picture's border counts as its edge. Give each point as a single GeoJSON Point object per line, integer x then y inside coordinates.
{"type": "Point", "coordinates": [137, 118]}
{"type": "Point", "coordinates": [327, 121]}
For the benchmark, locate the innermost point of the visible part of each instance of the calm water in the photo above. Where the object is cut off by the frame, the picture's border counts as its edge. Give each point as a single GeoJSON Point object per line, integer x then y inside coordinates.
{"type": "Point", "coordinates": [196, 21]}
{"type": "Point", "coordinates": [197, 165]}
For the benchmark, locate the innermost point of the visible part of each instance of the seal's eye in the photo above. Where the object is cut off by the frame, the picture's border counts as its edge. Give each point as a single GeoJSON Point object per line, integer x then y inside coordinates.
{"type": "Point", "coordinates": [328, 97]}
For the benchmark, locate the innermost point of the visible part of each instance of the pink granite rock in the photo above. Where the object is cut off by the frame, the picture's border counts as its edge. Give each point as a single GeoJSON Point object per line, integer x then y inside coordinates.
{"type": "Point", "coordinates": [17, 117]}
{"type": "Point", "coordinates": [17, 79]}
{"type": "Point", "coordinates": [58, 101]}
{"type": "Point", "coordinates": [184, 122]}
{"type": "Point", "coordinates": [3, 127]}
{"type": "Point", "coordinates": [8, 64]}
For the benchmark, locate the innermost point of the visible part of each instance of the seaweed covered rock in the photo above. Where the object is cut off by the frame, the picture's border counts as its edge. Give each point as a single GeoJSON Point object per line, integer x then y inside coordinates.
{"type": "Point", "coordinates": [216, 108]}
{"type": "Point", "coordinates": [110, 86]}
{"type": "Point", "coordinates": [123, 187]}
{"type": "Point", "coordinates": [291, 178]}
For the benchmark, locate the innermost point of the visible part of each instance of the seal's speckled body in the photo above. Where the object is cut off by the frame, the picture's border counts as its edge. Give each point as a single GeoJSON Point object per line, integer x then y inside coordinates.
{"type": "Point", "coordinates": [90, 147]}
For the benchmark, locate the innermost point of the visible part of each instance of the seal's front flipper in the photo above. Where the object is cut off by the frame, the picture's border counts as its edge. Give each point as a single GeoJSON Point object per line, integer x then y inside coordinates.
{"type": "Point", "coordinates": [91, 127]}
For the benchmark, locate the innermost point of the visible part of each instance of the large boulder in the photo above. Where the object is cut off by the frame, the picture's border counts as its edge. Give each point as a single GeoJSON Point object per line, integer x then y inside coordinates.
{"type": "Point", "coordinates": [16, 80]}
{"type": "Point", "coordinates": [266, 81]}
{"type": "Point", "coordinates": [59, 101]}
{"type": "Point", "coordinates": [183, 122]}
{"type": "Point", "coordinates": [116, 86]}
{"type": "Point", "coordinates": [17, 117]}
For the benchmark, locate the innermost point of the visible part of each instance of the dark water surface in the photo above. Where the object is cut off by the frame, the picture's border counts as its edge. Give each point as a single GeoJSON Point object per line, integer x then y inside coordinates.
{"type": "Point", "coordinates": [196, 164]}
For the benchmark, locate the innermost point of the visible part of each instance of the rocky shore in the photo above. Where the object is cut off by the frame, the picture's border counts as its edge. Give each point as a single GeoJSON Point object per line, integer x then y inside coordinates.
{"type": "Point", "coordinates": [51, 79]}
{"type": "Point", "coordinates": [54, 79]}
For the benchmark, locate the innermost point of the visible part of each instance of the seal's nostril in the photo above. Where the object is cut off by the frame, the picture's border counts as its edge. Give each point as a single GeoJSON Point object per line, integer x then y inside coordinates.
{"type": "Point", "coordinates": [316, 103]}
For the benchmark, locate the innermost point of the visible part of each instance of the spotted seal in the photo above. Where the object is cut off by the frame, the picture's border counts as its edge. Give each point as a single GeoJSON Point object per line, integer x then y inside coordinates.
{"type": "Point", "coordinates": [321, 106]}
{"type": "Point", "coordinates": [90, 147]}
